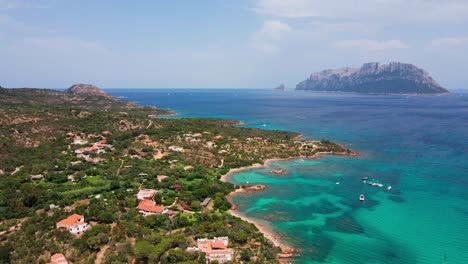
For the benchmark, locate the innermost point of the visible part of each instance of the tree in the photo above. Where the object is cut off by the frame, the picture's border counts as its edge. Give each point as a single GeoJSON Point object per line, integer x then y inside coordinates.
{"type": "Point", "coordinates": [245, 254]}
{"type": "Point", "coordinates": [143, 249]}
{"type": "Point", "coordinates": [195, 205]}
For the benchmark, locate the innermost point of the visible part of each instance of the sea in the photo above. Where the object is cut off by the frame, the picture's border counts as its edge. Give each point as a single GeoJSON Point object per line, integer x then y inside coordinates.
{"type": "Point", "coordinates": [418, 145]}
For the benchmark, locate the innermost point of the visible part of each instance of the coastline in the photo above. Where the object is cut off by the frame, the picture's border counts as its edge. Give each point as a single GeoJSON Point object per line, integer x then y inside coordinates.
{"type": "Point", "coordinates": [286, 250]}
{"type": "Point", "coordinates": [266, 231]}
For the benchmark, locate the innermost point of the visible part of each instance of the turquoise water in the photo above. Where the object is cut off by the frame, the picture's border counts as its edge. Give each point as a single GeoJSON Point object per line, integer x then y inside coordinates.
{"type": "Point", "coordinates": [417, 145]}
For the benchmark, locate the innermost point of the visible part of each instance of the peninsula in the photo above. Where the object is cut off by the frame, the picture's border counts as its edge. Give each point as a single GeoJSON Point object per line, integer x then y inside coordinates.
{"type": "Point", "coordinates": [375, 78]}
{"type": "Point", "coordinates": [86, 177]}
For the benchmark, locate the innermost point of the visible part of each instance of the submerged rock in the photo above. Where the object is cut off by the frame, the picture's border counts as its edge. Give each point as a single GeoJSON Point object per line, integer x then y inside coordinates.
{"type": "Point", "coordinates": [345, 224]}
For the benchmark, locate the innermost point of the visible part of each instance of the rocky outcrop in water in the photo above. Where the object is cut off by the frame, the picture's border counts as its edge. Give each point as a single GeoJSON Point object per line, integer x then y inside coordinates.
{"type": "Point", "coordinates": [280, 88]}
{"type": "Point", "coordinates": [392, 78]}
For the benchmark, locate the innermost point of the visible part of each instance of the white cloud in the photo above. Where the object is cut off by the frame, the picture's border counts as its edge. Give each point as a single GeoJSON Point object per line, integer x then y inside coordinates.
{"type": "Point", "coordinates": [274, 29]}
{"type": "Point", "coordinates": [390, 10]}
{"type": "Point", "coordinates": [267, 38]}
{"type": "Point", "coordinates": [372, 45]}
{"type": "Point", "coordinates": [14, 4]}
{"type": "Point", "coordinates": [449, 42]}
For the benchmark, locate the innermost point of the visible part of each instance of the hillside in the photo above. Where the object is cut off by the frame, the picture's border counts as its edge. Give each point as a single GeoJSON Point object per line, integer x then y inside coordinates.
{"type": "Point", "coordinates": [87, 154]}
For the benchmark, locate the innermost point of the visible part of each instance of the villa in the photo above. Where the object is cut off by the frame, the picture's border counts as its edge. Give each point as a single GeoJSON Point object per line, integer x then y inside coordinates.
{"type": "Point", "coordinates": [176, 148]}
{"type": "Point", "coordinates": [79, 141]}
{"type": "Point", "coordinates": [215, 249]}
{"type": "Point", "coordinates": [74, 224]}
{"type": "Point", "coordinates": [146, 194]}
{"type": "Point", "coordinates": [148, 207]}
{"type": "Point", "coordinates": [58, 259]}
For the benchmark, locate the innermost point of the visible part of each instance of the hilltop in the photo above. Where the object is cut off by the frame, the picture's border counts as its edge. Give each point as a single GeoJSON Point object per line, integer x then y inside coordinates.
{"type": "Point", "coordinates": [392, 78]}
{"type": "Point", "coordinates": [87, 89]}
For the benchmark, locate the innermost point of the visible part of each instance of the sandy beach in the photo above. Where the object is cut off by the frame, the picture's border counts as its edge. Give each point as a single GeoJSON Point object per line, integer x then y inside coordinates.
{"type": "Point", "coordinates": [263, 227]}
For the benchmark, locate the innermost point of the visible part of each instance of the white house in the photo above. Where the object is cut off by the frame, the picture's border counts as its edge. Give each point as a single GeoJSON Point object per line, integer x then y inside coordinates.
{"type": "Point", "coordinates": [75, 224]}
{"type": "Point", "coordinates": [215, 249]}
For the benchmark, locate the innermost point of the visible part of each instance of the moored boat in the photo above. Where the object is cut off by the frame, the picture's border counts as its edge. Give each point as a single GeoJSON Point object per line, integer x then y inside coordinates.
{"type": "Point", "coordinates": [361, 197]}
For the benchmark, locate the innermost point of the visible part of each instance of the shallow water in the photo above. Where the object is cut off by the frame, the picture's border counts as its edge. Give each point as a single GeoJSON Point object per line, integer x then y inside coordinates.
{"type": "Point", "coordinates": [418, 145]}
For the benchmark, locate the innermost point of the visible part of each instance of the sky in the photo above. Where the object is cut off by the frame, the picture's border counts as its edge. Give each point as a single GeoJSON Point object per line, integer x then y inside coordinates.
{"type": "Point", "coordinates": [224, 43]}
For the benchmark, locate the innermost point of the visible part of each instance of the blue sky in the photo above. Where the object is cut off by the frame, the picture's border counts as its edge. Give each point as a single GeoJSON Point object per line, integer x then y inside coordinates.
{"type": "Point", "coordinates": [222, 44]}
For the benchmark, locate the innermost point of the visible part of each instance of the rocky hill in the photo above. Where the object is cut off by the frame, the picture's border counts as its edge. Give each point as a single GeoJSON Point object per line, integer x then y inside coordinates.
{"type": "Point", "coordinates": [87, 89]}
{"type": "Point", "coordinates": [392, 78]}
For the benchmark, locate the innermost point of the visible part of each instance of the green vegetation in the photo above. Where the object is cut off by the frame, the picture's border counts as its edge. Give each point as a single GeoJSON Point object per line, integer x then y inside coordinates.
{"type": "Point", "coordinates": [41, 168]}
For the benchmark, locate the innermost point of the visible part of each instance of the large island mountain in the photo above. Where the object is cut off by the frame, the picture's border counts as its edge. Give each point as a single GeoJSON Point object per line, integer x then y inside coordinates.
{"type": "Point", "coordinates": [392, 78]}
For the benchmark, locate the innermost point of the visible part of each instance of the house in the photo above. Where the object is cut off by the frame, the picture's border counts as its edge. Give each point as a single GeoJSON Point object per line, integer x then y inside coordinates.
{"type": "Point", "coordinates": [210, 144]}
{"type": "Point", "coordinates": [58, 259]}
{"type": "Point", "coordinates": [75, 224]}
{"type": "Point", "coordinates": [79, 141]}
{"type": "Point", "coordinates": [37, 177]}
{"type": "Point", "coordinates": [176, 148]}
{"type": "Point", "coordinates": [161, 177]}
{"type": "Point", "coordinates": [147, 207]}
{"type": "Point", "coordinates": [95, 160]}
{"type": "Point", "coordinates": [215, 249]}
{"type": "Point", "coordinates": [218, 137]}
{"type": "Point", "coordinates": [205, 202]}
{"type": "Point", "coordinates": [146, 194]}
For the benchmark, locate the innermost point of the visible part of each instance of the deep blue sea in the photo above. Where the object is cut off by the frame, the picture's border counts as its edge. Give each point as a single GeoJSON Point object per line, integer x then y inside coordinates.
{"type": "Point", "coordinates": [418, 145]}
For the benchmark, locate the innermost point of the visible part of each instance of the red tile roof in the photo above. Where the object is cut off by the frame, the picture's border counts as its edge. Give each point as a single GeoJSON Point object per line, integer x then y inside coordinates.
{"type": "Point", "coordinates": [71, 220]}
{"type": "Point", "coordinates": [58, 259]}
{"type": "Point", "coordinates": [148, 206]}
{"type": "Point", "coordinates": [217, 245]}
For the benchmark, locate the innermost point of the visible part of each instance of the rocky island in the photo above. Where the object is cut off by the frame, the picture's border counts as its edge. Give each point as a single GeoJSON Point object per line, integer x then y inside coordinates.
{"type": "Point", "coordinates": [281, 87]}
{"type": "Point", "coordinates": [375, 78]}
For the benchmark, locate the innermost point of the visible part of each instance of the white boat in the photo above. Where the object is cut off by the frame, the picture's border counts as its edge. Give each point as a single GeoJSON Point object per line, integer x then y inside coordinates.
{"type": "Point", "coordinates": [389, 187]}
{"type": "Point", "coordinates": [361, 197]}
{"type": "Point", "coordinates": [337, 183]}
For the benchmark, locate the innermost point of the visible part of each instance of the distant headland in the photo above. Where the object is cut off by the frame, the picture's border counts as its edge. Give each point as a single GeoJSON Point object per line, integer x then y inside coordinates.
{"type": "Point", "coordinates": [376, 78]}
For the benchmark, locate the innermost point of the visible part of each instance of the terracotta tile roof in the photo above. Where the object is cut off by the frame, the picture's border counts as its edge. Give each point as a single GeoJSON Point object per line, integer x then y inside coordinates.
{"type": "Point", "coordinates": [71, 220]}
{"type": "Point", "coordinates": [58, 259]}
{"type": "Point", "coordinates": [169, 212]}
{"type": "Point", "coordinates": [217, 245]}
{"type": "Point", "coordinates": [148, 206]}
{"type": "Point", "coordinates": [146, 194]}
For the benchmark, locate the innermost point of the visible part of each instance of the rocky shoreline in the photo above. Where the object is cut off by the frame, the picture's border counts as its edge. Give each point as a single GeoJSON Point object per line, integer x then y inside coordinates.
{"type": "Point", "coordinates": [286, 250]}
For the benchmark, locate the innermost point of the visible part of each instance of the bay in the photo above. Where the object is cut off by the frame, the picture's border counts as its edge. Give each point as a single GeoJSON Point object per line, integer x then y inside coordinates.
{"type": "Point", "coordinates": [418, 145]}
